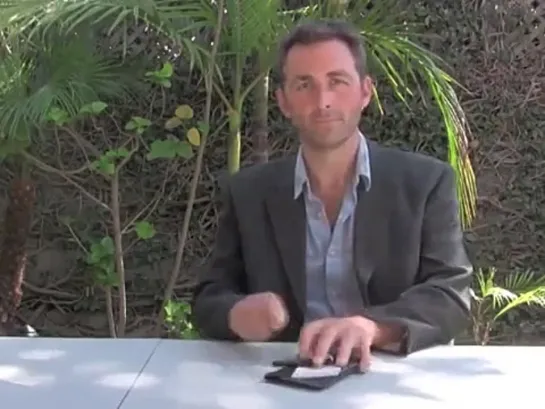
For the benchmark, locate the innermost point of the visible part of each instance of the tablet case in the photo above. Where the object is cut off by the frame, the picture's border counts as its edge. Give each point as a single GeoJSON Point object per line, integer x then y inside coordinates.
{"type": "Point", "coordinates": [283, 376]}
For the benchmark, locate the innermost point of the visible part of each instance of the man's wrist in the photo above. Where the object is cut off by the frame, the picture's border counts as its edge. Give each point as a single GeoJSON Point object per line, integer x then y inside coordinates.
{"type": "Point", "coordinates": [387, 336]}
{"type": "Point", "coordinates": [232, 320]}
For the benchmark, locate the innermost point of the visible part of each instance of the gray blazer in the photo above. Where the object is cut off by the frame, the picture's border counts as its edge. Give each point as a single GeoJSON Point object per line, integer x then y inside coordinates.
{"type": "Point", "coordinates": [409, 255]}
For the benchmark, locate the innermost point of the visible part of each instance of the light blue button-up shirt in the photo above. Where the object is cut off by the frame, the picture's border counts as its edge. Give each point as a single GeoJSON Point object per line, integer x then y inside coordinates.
{"type": "Point", "coordinates": [332, 289]}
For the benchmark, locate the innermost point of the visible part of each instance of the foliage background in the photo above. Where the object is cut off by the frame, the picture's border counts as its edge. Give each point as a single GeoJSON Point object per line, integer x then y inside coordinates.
{"type": "Point", "coordinates": [498, 59]}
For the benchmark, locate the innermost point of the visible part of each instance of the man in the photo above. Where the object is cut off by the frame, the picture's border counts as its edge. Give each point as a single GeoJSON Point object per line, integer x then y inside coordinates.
{"type": "Point", "coordinates": [349, 245]}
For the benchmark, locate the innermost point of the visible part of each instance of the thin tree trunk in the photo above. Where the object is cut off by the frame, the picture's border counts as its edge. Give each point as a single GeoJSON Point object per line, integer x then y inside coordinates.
{"type": "Point", "coordinates": [13, 254]}
{"type": "Point", "coordinates": [260, 129]}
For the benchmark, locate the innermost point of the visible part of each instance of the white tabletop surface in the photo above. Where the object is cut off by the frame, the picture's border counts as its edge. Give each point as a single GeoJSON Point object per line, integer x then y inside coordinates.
{"type": "Point", "coordinates": [211, 375]}
{"type": "Point", "coordinates": [61, 373]}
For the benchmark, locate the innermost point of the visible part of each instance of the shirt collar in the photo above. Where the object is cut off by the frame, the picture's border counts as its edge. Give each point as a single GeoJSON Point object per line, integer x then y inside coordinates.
{"type": "Point", "coordinates": [363, 168]}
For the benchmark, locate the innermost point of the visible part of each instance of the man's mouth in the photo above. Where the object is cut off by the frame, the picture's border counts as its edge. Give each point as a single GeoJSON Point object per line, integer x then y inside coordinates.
{"type": "Point", "coordinates": [326, 120]}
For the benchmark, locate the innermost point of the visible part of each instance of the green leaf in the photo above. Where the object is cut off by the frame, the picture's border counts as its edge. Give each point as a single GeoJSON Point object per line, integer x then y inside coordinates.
{"type": "Point", "coordinates": [184, 112]}
{"type": "Point", "coordinates": [194, 137]}
{"type": "Point", "coordinates": [94, 108]}
{"type": "Point", "coordinates": [145, 230]}
{"type": "Point", "coordinates": [106, 277]}
{"type": "Point", "coordinates": [138, 124]}
{"type": "Point", "coordinates": [165, 149]}
{"type": "Point", "coordinates": [184, 150]}
{"type": "Point", "coordinates": [104, 165]}
{"type": "Point", "coordinates": [169, 149]}
{"type": "Point", "coordinates": [104, 249]}
{"type": "Point", "coordinates": [58, 116]}
{"type": "Point", "coordinates": [94, 255]}
{"type": "Point", "coordinates": [122, 152]}
{"type": "Point", "coordinates": [204, 128]}
{"type": "Point", "coordinates": [169, 309]}
{"type": "Point", "coordinates": [172, 123]}
{"type": "Point", "coordinates": [162, 76]}
{"type": "Point", "coordinates": [117, 153]}
{"type": "Point", "coordinates": [108, 244]}
{"type": "Point", "coordinates": [166, 71]}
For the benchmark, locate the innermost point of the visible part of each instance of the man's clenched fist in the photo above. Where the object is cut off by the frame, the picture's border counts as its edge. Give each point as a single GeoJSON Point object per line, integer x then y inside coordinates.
{"type": "Point", "coordinates": [258, 316]}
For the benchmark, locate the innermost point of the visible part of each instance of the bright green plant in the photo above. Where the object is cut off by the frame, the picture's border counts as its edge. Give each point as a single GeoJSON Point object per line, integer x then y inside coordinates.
{"type": "Point", "coordinates": [492, 298]}
{"type": "Point", "coordinates": [178, 320]}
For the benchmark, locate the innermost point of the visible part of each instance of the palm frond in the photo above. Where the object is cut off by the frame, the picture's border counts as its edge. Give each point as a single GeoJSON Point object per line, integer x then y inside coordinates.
{"type": "Point", "coordinates": [14, 76]}
{"type": "Point", "coordinates": [531, 297]}
{"type": "Point", "coordinates": [36, 18]}
{"type": "Point", "coordinates": [249, 23]}
{"type": "Point", "coordinates": [516, 289]}
{"type": "Point", "coordinates": [484, 281]}
{"type": "Point", "coordinates": [406, 64]}
{"type": "Point", "coordinates": [500, 296]}
{"type": "Point", "coordinates": [63, 74]}
{"type": "Point", "coordinates": [523, 281]}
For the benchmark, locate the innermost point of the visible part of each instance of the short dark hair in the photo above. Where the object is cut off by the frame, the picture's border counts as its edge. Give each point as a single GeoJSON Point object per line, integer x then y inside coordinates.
{"type": "Point", "coordinates": [313, 32]}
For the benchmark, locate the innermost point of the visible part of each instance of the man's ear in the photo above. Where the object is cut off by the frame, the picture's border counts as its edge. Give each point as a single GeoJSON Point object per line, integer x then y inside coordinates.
{"type": "Point", "coordinates": [282, 103]}
{"type": "Point", "coordinates": [366, 91]}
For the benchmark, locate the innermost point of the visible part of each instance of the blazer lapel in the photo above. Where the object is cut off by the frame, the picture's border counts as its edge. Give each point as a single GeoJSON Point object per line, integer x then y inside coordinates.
{"type": "Point", "coordinates": [288, 220]}
{"type": "Point", "coordinates": [369, 226]}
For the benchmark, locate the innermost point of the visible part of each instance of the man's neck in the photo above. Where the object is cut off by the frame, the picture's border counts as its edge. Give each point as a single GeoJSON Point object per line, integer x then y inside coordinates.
{"type": "Point", "coordinates": [331, 170]}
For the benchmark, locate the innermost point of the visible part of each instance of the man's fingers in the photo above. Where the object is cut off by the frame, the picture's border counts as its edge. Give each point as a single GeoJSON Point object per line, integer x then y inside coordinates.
{"type": "Point", "coordinates": [365, 353]}
{"type": "Point", "coordinates": [327, 337]}
{"type": "Point", "coordinates": [348, 340]}
{"type": "Point", "coordinates": [308, 337]}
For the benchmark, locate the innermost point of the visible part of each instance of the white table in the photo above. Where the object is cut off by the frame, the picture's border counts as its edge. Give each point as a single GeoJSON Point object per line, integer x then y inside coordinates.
{"type": "Point", "coordinates": [209, 375]}
{"type": "Point", "coordinates": [61, 373]}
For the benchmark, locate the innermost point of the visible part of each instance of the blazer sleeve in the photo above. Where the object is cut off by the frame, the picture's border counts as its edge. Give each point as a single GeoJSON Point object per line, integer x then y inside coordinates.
{"type": "Point", "coordinates": [437, 308]}
{"type": "Point", "coordinates": [221, 284]}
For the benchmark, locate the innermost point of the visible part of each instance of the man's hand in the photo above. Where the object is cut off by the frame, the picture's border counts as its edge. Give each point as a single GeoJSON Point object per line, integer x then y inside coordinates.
{"type": "Point", "coordinates": [352, 336]}
{"type": "Point", "coordinates": [258, 316]}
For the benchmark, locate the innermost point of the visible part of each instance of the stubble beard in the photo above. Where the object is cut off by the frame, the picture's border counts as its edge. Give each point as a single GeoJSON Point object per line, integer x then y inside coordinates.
{"type": "Point", "coordinates": [315, 144]}
{"type": "Point", "coordinates": [323, 145]}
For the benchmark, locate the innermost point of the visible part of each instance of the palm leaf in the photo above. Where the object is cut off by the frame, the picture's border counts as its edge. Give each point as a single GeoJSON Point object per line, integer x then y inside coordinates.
{"type": "Point", "coordinates": [14, 77]}
{"type": "Point", "coordinates": [249, 24]}
{"type": "Point", "coordinates": [500, 296]}
{"type": "Point", "coordinates": [531, 297]}
{"type": "Point", "coordinates": [519, 288]}
{"type": "Point", "coordinates": [63, 74]}
{"type": "Point", "coordinates": [32, 18]}
{"type": "Point", "coordinates": [523, 281]}
{"type": "Point", "coordinates": [483, 283]}
{"type": "Point", "coordinates": [406, 64]}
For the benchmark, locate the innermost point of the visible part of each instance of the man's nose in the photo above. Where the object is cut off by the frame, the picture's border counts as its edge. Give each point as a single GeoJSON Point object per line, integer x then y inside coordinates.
{"type": "Point", "coordinates": [324, 99]}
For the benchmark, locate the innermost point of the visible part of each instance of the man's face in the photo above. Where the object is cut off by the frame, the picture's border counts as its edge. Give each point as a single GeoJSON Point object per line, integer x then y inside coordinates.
{"type": "Point", "coordinates": [323, 94]}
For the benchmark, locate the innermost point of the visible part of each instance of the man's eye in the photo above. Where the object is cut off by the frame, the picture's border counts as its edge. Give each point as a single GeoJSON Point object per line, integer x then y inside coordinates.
{"type": "Point", "coordinates": [337, 81]}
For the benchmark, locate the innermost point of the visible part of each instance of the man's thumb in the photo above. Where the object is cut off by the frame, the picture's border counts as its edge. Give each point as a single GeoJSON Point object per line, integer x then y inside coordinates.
{"type": "Point", "coordinates": [278, 315]}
